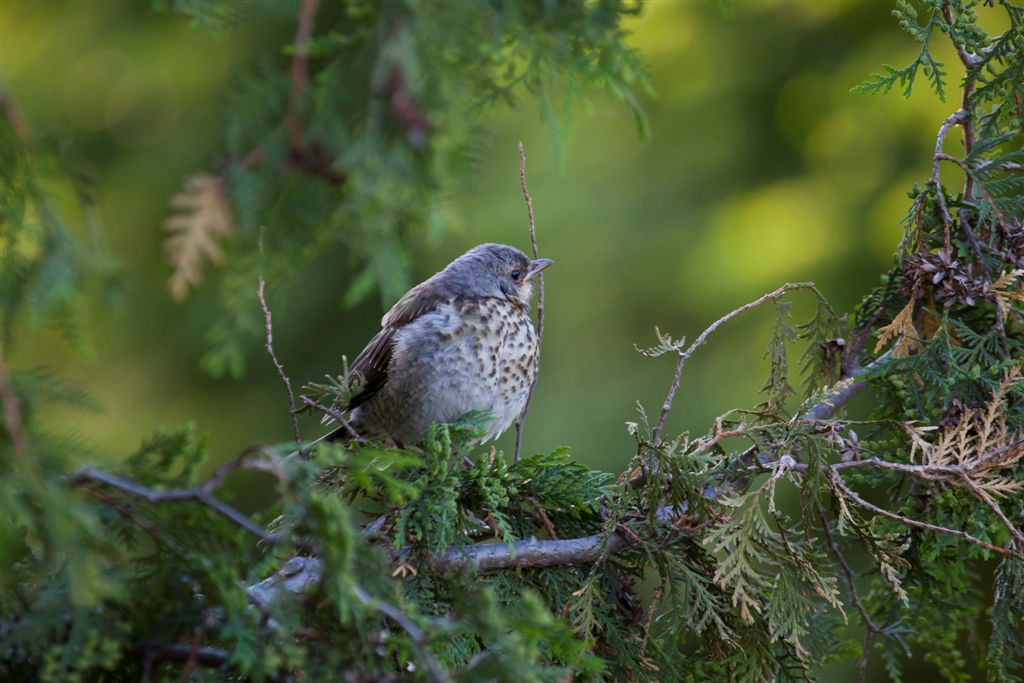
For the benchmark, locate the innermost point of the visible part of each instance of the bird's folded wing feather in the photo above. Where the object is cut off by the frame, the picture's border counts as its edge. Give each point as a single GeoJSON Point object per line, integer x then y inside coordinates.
{"type": "Point", "coordinates": [371, 366]}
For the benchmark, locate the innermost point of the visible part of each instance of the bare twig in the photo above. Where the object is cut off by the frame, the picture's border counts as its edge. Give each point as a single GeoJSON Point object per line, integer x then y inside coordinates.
{"type": "Point", "coordinates": [851, 579]}
{"type": "Point", "coordinates": [202, 495]}
{"type": "Point", "coordinates": [419, 639]}
{"type": "Point", "coordinates": [540, 299]}
{"type": "Point", "coordinates": [965, 104]}
{"type": "Point", "coordinates": [683, 356]}
{"type": "Point", "coordinates": [1000, 218]}
{"type": "Point", "coordinates": [852, 495]}
{"type": "Point", "coordinates": [979, 493]}
{"type": "Point", "coordinates": [947, 222]}
{"type": "Point", "coordinates": [269, 326]}
{"type": "Point", "coordinates": [12, 411]}
{"type": "Point", "coordinates": [184, 652]}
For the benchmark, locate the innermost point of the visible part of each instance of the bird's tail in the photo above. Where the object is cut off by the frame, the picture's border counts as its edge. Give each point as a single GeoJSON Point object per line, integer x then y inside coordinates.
{"type": "Point", "coordinates": [339, 433]}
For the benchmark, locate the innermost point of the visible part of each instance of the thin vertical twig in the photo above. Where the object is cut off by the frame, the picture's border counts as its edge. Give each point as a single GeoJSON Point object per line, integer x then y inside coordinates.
{"type": "Point", "coordinates": [269, 325]}
{"type": "Point", "coordinates": [851, 580]}
{"type": "Point", "coordinates": [967, 124]}
{"type": "Point", "coordinates": [956, 117]}
{"type": "Point", "coordinates": [540, 299]}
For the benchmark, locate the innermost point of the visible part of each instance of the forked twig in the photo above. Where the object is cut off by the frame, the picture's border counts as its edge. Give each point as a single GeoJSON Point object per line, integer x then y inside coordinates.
{"type": "Point", "coordinates": [856, 498]}
{"type": "Point", "coordinates": [200, 494]}
{"type": "Point", "coordinates": [683, 356]}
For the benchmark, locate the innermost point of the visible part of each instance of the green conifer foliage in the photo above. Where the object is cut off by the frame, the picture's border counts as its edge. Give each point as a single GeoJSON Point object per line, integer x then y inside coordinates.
{"type": "Point", "coordinates": [786, 538]}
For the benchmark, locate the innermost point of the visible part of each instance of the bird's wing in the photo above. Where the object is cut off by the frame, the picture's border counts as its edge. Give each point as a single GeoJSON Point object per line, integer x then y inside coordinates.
{"type": "Point", "coordinates": [371, 365]}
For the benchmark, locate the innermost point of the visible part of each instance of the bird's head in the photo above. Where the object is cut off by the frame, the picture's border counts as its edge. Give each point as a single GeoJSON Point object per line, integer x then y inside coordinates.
{"type": "Point", "coordinates": [496, 270]}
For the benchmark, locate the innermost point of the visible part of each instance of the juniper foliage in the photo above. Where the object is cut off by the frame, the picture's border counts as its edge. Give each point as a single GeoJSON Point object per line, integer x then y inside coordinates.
{"type": "Point", "coordinates": [787, 538]}
{"type": "Point", "coordinates": [355, 149]}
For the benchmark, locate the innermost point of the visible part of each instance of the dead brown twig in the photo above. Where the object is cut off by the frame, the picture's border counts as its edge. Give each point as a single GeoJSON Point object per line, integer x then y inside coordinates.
{"type": "Point", "coordinates": [540, 299]}
{"type": "Point", "coordinates": [269, 327]}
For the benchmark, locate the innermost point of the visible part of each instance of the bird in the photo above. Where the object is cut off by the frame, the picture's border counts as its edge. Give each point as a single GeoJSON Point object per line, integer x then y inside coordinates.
{"type": "Point", "coordinates": [460, 341]}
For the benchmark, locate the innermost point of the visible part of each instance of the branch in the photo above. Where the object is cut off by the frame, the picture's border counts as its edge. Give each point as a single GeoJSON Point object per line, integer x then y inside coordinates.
{"type": "Point", "coordinates": [984, 191]}
{"type": "Point", "coordinates": [979, 493]}
{"type": "Point", "coordinates": [300, 70]}
{"type": "Point", "coordinates": [540, 300]}
{"type": "Point", "coordinates": [269, 325]}
{"type": "Point", "coordinates": [12, 411]}
{"type": "Point", "coordinates": [419, 639]}
{"type": "Point", "coordinates": [965, 104]}
{"type": "Point", "coordinates": [300, 575]}
{"type": "Point", "coordinates": [183, 652]}
{"type": "Point", "coordinates": [202, 495]}
{"type": "Point", "coordinates": [529, 552]}
{"type": "Point", "coordinates": [666, 406]}
{"type": "Point", "coordinates": [308, 159]}
{"type": "Point", "coordinates": [852, 495]}
{"type": "Point", "coordinates": [872, 629]}
{"type": "Point", "coordinates": [953, 119]}
{"type": "Point", "coordinates": [843, 392]}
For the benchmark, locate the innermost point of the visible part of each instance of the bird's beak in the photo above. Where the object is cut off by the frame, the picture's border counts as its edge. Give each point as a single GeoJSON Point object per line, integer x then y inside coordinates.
{"type": "Point", "coordinates": [537, 266]}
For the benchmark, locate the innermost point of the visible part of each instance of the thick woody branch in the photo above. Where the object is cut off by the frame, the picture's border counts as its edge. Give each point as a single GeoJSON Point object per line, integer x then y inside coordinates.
{"type": "Point", "coordinates": [530, 552]}
{"type": "Point", "coordinates": [843, 392]}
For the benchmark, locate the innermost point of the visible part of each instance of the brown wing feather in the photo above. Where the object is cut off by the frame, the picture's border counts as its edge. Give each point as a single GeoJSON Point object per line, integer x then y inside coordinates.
{"type": "Point", "coordinates": [371, 365]}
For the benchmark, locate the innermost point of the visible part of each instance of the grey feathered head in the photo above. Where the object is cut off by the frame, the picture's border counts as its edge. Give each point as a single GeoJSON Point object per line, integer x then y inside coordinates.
{"type": "Point", "coordinates": [493, 270]}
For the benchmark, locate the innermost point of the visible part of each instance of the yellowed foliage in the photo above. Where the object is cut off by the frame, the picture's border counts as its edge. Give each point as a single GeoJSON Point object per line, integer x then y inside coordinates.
{"type": "Point", "coordinates": [981, 443]}
{"type": "Point", "coordinates": [901, 329]}
{"type": "Point", "coordinates": [200, 223]}
{"type": "Point", "coordinates": [1005, 297]}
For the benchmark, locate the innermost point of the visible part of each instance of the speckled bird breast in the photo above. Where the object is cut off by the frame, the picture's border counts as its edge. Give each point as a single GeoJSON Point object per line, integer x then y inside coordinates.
{"type": "Point", "coordinates": [462, 356]}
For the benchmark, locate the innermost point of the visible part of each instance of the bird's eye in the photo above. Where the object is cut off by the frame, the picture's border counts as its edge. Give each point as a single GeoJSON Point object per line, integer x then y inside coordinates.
{"type": "Point", "coordinates": [516, 274]}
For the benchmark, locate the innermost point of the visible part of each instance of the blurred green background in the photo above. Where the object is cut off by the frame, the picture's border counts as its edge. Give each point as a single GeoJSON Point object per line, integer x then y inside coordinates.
{"type": "Point", "coordinates": [762, 168]}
